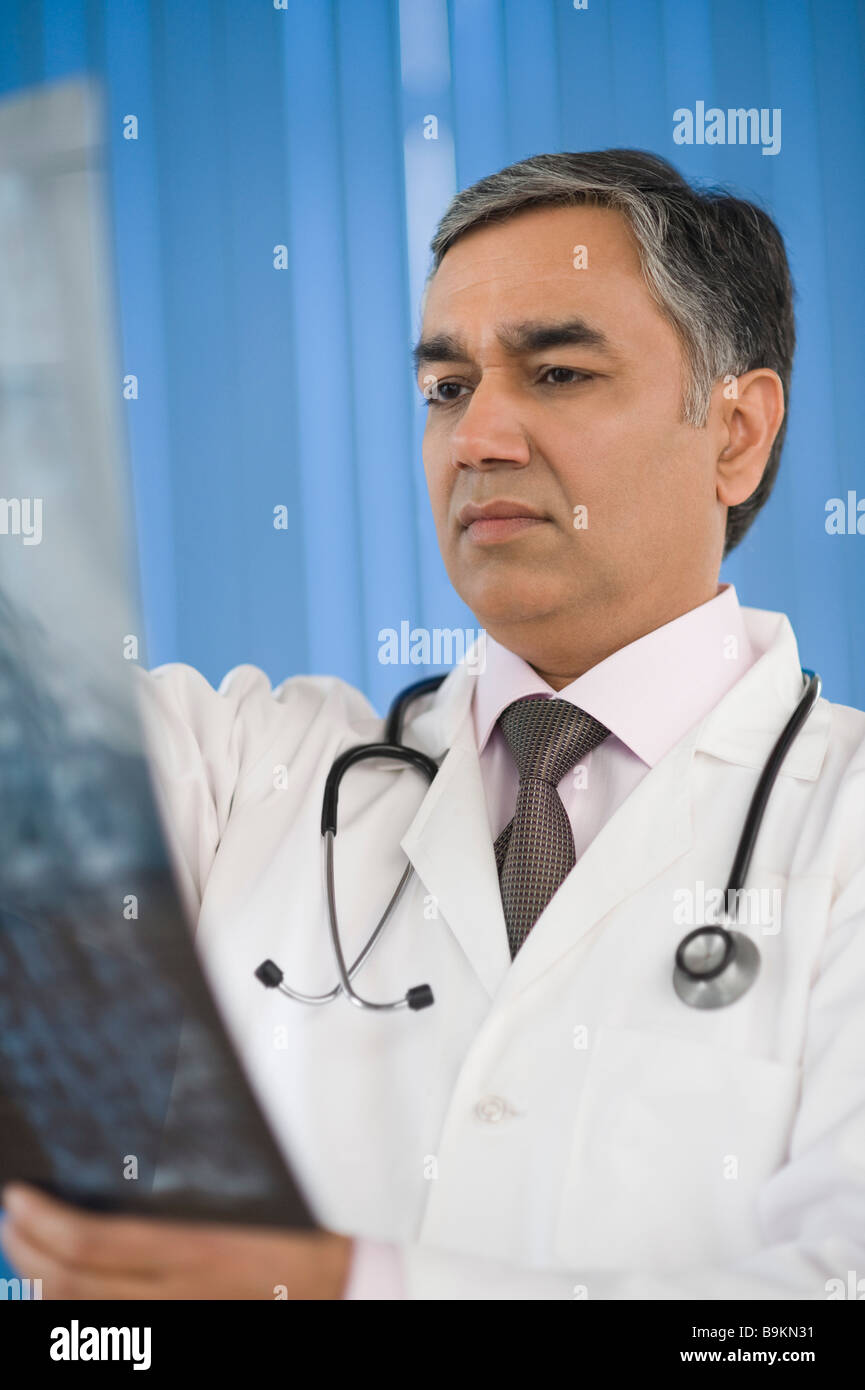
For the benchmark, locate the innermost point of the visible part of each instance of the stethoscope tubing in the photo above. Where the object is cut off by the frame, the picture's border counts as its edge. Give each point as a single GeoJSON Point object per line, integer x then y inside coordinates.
{"type": "Point", "coordinates": [345, 975]}
{"type": "Point", "coordinates": [359, 961]}
{"type": "Point", "coordinates": [759, 801]}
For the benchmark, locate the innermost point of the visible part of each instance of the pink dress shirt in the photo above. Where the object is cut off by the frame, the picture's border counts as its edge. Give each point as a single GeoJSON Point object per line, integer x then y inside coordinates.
{"type": "Point", "coordinates": [648, 694]}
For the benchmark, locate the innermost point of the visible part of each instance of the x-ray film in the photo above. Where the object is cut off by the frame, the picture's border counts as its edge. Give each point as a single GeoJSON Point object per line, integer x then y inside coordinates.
{"type": "Point", "coordinates": [119, 1088]}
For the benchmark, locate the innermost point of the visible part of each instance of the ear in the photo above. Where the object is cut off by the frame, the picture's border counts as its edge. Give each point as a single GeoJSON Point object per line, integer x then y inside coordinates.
{"type": "Point", "coordinates": [751, 409]}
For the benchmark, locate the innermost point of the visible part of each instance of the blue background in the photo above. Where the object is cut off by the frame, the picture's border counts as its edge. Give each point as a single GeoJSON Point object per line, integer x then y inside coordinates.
{"type": "Point", "coordinates": [261, 387]}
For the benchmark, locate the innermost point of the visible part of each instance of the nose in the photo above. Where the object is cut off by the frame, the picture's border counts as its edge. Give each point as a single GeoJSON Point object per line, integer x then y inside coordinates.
{"type": "Point", "coordinates": [488, 433]}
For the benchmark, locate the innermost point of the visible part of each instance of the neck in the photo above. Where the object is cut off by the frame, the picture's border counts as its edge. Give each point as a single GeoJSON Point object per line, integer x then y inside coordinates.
{"type": "Point", "coordinates": [561, 652]}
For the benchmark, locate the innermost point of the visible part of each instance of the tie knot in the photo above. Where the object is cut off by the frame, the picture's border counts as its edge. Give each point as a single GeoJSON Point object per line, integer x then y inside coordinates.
{"type": "Point", "coordinates": [549, 737]}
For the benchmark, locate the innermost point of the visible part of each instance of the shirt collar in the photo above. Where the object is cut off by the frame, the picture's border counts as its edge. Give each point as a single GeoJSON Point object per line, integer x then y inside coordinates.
{"type": "Point", "coordinates": [648, 693]}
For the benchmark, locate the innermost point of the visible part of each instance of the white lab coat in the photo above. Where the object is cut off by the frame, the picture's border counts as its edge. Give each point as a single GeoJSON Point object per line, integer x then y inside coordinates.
{"type": "Point", "coordinates": [561, 1126]}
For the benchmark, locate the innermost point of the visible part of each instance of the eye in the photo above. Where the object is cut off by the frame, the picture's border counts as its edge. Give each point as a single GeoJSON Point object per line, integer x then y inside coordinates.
{"type": "Point", "coordinates": [572, 373]}
{"type": "Point", "coordinates": [439, 393]}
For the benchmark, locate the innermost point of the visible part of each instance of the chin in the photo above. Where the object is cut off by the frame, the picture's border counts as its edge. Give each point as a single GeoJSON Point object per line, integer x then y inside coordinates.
{"type": "Point", "coordinates": [508, 601]}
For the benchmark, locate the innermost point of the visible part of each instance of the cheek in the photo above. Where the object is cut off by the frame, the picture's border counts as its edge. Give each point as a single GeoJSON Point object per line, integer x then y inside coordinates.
{"type": "Point", "coordinates": [439, 481]}
{"type": "Point", "coordinates": [598, 461]}
{"type": "Point", "coordinates": [628, 471]}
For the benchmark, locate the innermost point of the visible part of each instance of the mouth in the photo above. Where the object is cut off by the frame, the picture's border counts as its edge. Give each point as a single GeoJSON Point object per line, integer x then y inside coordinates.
{"type": "Point", "coordinates": [487, 522]}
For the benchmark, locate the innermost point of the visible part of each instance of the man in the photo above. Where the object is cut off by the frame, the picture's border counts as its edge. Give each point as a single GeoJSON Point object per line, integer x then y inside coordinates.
{"type": "Point", "coordinates": [605, 356]}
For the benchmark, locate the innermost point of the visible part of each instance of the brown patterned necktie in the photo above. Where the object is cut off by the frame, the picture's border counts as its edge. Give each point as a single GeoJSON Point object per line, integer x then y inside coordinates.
{"type": "Point", "coordinates": [535, 851]}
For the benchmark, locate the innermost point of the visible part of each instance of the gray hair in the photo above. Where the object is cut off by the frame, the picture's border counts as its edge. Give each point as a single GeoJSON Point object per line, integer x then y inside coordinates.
{"type": "Point", "coordinates": [715, 265]}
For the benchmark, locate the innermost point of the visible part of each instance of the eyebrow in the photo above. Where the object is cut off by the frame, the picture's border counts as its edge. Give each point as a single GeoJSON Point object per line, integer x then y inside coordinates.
{"type": "Point", "coordinates": [518, 339]}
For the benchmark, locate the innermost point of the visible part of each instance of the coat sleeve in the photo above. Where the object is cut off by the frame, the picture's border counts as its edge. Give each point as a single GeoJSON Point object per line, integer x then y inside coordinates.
{"type": "Point", "coordinates": [194, 737]}
{"type": "Point", "coordinates": [202, 742]}
{"type": "Point", "coordinates": [812, 1209]}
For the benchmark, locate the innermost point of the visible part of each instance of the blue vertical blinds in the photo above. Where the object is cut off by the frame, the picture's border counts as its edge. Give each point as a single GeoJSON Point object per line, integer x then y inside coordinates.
{"type": "Point", "coordinates": [271, 223]}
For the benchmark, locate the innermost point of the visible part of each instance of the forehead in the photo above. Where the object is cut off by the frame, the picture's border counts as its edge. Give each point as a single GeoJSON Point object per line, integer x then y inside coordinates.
{"type": "Point", "coordinates": [524, 266]}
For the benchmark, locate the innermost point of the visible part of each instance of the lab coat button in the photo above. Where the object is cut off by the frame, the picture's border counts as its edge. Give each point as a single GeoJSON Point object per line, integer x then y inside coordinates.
{"type": "Point", "coordinates": [491, 1109]}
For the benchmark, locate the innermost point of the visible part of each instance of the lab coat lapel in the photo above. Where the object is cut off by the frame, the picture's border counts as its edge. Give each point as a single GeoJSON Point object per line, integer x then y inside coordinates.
{"type": "Point", "coordinates": [449, 841]}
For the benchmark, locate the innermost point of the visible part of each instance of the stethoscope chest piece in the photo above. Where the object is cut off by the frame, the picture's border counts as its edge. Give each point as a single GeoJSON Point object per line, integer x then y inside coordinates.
{"type": "Point", "coordinates": [714, 967]}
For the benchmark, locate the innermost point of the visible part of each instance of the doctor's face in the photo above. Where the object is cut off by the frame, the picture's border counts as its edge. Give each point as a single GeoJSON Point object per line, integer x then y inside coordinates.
{"type": "Point", "coordinates": [574, 508]}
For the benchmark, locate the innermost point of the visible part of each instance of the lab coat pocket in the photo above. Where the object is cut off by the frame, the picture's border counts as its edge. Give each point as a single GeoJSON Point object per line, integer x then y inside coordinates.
{"type": "Point", "coordinates": [672, 1141]}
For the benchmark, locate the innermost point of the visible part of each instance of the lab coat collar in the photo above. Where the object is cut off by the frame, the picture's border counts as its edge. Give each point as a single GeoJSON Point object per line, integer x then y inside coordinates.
{"type": "Point", "coordinates": [681, 669]}
{"type": "Point", "coordinates": [451, 849]}
{"type": "Point", "coordinates": [742, 728]}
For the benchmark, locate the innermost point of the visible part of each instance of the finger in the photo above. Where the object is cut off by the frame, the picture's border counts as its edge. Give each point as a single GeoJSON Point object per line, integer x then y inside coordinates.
{"type": "Point", "coordinates": [96, 1240]}
{"type": "Point", "coordinates": [219, 1281]}
{"type": "Point", "coordinates": [61, 1281]}
{"type": "Point", "coordinates": [234, 1263]}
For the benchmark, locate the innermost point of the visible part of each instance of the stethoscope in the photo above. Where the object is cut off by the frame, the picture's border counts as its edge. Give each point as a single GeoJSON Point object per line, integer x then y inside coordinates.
{"type": "Point", "coordinates": [715, 965]}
